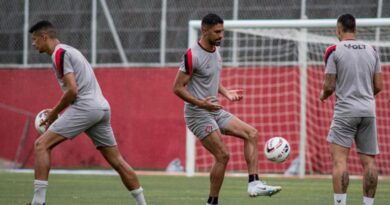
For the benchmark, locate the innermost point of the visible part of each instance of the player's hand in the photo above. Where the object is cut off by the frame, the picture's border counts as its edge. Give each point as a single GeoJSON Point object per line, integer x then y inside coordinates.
{"type": "Point", "coordinates": [209, 105]}
{"type": "Point", "coordinates": [322, 97]}
{"type": "Point", "coordinates": [50, 118]}
{"type": "Point", "coordinates": [234, 95]}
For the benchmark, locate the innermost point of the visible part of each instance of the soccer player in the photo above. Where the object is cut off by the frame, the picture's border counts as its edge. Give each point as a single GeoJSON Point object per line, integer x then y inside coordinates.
{"type": "Point", "coordinates": [87, 111]}
{"type": "Point", "coordinates": [198, 83]}
{"type": "Point", "coordinates": [353, 72]}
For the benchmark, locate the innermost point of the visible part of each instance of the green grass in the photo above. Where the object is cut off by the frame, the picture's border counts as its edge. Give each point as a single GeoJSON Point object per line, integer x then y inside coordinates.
{"type": "Point", "coordinates": [17, 188]}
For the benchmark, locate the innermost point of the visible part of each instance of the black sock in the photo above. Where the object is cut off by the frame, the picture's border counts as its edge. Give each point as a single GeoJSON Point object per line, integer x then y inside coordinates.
{"type": "Point", "coordinates": [212, 200]}
{"type": "Point", "coordinates": [253, 177]}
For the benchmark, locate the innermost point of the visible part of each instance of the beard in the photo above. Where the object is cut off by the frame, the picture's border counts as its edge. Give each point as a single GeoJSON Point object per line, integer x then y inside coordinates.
{"type": "Point", "coordinates": [215, 42]}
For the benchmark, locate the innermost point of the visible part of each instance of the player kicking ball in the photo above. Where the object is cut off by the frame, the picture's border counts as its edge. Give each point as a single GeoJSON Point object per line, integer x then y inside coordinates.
{"type": "Point", "coordinates": [87, 111]}
{"type": "Point", "coordinates": [198, 84]}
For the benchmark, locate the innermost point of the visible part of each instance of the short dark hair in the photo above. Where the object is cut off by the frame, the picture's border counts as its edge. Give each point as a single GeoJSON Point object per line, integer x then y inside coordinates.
{"type": "Point", "coordinates": [44, 25]}
{"type": "Point", "coordinates": [348, 22]}
{"type": "Point", "coordinates": [211, 20]}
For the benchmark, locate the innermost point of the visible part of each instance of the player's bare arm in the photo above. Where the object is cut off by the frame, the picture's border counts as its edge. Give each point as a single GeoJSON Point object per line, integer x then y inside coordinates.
{"type": "Point", "coordinates": [329, 86]}
{"type": "Point", "coordinates": [179, 88]}
{"type": "Point", "coordinates": [67, 98]}
{"type": "Point", "coordinates": [378, 83]}
{"type": "Point", "coordinates": [232, 95]}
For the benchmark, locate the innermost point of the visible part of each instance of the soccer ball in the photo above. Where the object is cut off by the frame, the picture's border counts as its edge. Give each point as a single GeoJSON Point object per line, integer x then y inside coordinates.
{"type": "Point", "coordinates": [277, 149]}
{"type": "Point", "coordinates": [41, 116]}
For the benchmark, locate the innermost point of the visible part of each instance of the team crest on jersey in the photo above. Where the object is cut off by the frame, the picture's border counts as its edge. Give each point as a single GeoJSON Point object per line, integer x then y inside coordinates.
{"type": "Point", "coordinates": [209, 128]}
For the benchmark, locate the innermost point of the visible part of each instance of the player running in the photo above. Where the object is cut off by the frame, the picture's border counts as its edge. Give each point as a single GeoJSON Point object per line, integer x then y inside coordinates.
{"type": "Point", "coordinates": [88, 111]}
{"type": "Point", "coordinates": [353, 71]}
{"type": "Point", "coordinates": [198, 84]}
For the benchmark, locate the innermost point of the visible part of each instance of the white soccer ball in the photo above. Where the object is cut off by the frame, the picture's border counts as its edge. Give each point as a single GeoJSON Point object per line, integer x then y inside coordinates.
{"type": "Point", "coordinates": [277, 149]}
{"type": "Point", "coordinates": [41, 116]}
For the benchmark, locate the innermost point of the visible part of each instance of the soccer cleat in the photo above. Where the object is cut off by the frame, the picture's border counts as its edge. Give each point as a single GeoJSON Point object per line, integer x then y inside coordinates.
{"type": "Point", "coordinates": [259, 188]}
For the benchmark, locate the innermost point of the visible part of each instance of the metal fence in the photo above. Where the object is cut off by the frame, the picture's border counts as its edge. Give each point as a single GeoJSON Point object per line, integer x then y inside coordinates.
{"type": "Point", "coordinates": [145, 32]}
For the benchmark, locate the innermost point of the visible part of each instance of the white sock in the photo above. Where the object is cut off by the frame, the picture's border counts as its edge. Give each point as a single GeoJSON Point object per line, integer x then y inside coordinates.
{"type": "Point", "coordinates": [40, 188]}
{"type": "Point", "coordinates": [340, 199]}
{"type": "Point", "coordinates": [368, 201]}
{"type": "Point", "coordinates": [138, 195]}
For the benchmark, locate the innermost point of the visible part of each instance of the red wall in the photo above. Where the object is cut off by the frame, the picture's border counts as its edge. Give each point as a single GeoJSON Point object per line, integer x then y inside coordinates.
{"type": "Point", "coordinates": [146, 116]}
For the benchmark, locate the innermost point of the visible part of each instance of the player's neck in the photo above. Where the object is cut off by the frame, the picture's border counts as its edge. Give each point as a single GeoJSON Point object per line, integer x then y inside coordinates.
{"type": "Point", "coordinates": [348, 37]}
{"type": "Point", "coordinates": [206, 45]}
{"type": "Point", "coordinates": [52, 46]}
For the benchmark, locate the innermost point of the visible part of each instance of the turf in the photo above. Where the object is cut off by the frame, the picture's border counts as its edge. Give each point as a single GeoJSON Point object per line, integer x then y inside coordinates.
{"type": "Point", "coordinates": [17, 188]}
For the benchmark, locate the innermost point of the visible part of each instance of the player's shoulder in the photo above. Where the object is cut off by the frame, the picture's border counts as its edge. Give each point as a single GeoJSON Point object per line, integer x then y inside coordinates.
{"type": "Point", "coordinates": [197, 47]}
{"type": "Point", "coordinates": [194, 49]}
{"type": "Point", "coordinates": [189, 54]}
{"type": "Point", "coordinates": [331, 48]}
{"type": "Point", "coordinates": [61, 49]}
{"type": "Point", "coordinates": [197, 51]}
{"type": "Point", "coordinates": [64, 46]}
{"type": "Point", "coordinates": [369, 46]}
{"type": "Point", "coordinates": [71, 51]}
{"type": "Point", "coordinates": [192, 52]}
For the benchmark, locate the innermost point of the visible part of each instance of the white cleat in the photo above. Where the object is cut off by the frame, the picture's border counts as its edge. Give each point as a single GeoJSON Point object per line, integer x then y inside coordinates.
{"type": "Point", "coordinates": [258, 188]}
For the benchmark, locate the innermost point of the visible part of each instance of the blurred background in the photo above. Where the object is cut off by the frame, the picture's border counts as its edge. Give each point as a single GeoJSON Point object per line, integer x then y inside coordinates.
{"type": "Point", "coordinates": [149, 32]}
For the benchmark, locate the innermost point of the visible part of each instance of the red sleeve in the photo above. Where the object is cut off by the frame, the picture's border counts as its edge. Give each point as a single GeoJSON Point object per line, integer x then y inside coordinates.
{"type": "Point", "coordinates": [188, 61]}
{"type": "Point", "coordinates": [329, 51]}
{"type": "Point", "coordinates": [59, 58]}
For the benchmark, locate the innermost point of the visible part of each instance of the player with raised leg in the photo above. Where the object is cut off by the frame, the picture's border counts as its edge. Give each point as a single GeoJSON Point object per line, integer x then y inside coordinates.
{"type": "Point", "coordinates": [198, 83]}
{"type": "Point", "coordinates": [353, 71]}
{"type": "Point", "coordinates": [86, 111]}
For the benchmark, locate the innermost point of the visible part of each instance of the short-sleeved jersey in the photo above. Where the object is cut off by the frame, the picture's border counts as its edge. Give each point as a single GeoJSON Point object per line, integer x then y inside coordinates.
{"type": "Point", "coordinates": [205, 70]}
{"type": "Point", "coordinates": [67, 59]}
{"type": "Point", "coordinates": [354, 63]}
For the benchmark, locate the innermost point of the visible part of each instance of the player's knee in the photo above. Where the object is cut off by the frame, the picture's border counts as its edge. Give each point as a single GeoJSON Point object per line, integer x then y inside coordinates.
{"type": "Point", "coordinates": [370, 167]}
{"type": "Point", "coordinates": [38, 145]}
{"type": "Point", "coordinates": [339, 163]}
{"type": "Point", "coordinates": [368, 164]}
{"type": "Point", "coordinates": [253, 135]}
{"type": "Point", "coordinates": [223, 157]}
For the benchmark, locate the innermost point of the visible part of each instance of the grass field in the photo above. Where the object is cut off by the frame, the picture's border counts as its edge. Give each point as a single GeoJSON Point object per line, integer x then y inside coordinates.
{"type": "Point", "coordinates": [17, 188]}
